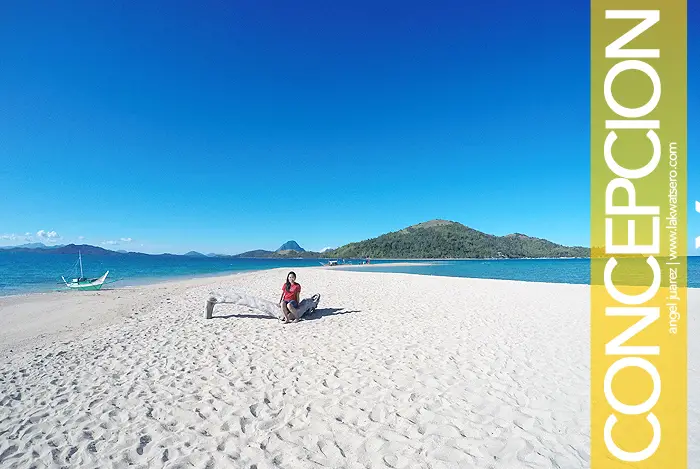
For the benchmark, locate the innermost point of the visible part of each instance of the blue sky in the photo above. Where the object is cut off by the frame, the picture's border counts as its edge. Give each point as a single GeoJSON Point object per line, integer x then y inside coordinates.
{"type": "Point", "coordinates": [228, 126]}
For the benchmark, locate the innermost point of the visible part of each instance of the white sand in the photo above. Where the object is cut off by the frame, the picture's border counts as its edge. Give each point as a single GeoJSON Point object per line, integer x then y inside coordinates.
{"type": "Point", "coordinates": [393, 370]}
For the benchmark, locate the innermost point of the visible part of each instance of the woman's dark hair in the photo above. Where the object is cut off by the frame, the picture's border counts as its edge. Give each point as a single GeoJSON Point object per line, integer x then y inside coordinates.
{"type": "Point", "coordinates": [288, 284]}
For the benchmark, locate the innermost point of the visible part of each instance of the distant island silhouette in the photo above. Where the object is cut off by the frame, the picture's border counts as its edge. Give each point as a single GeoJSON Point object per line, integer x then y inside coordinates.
{"type": "Point", "coordinates": [434, 239]}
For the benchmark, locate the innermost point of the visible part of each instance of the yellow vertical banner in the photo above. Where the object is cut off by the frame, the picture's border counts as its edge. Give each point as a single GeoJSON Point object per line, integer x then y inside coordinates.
{"type": "Point", "coordinates": [638, 234]}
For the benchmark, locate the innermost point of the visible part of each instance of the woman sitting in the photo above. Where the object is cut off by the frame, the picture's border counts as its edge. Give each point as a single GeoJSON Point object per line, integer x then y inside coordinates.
{"type": "Point", "coordinates": [289, 301]}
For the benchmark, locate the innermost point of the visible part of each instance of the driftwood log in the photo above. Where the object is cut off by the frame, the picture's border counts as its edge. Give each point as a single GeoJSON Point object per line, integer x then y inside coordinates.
{"type": "Point", "coordinates": [210, 307]}
{"type": "Point", "coordinates": [306, 306]}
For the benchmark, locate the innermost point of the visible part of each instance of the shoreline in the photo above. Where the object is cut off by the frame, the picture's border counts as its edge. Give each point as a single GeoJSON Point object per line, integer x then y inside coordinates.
{"type": "Point", "coordinates": [30, 319]}
{"type": "Point", "coordinates": [39, 318]}
{"type": "Point", "coordinates": [144, 281]}
{"type": "Point", "coordinates": [134, 283]}
{"type": "Point", "coordinates": [139, 282]}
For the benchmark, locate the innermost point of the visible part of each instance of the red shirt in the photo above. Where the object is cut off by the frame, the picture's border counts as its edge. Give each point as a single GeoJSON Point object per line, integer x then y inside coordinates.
{"type": "Point", "coordinates": [292, 293]}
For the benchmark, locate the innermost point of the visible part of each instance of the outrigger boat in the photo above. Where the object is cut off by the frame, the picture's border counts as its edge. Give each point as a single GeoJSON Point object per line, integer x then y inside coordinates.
{"type": "Point", "coordinates": [83, 283]}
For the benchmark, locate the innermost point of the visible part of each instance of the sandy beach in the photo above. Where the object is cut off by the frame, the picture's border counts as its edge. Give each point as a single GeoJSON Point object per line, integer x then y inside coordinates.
{"type": "Point", "coordinates": [392, 371]}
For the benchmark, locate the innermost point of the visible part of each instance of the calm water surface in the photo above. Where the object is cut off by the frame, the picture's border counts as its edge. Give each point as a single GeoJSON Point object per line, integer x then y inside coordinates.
{"type": "Point", "coordinates": [32, 272]}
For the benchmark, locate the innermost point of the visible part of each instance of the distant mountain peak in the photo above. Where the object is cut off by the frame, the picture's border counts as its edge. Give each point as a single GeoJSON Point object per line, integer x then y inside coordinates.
{"type": "Point", "coordinates": [431, 223]}
{"type": "Point", "coordinates": [290, 246]}
{"type": "Point", "coordinates": [194, 254]}
{"type": "Point", "coordinates": [33, 246]}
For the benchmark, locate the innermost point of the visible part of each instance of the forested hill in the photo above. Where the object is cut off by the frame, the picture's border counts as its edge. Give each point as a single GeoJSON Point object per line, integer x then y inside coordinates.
{"type": "Point", "coordinates": [440, 239]}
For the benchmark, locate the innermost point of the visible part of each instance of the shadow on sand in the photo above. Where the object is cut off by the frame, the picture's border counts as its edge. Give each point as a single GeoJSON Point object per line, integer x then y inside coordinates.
{"type": "Point", "coordinates": [318, 314]}
{"type": "Point", "coordinates": [244, 316]}
{"type": "Point", "coordinates": [323, 312]}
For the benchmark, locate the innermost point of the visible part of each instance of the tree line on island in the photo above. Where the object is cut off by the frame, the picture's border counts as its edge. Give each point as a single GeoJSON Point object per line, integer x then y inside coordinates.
{"type": "Point", "coordinates": [442, 239]}
{"type": "Point", "coordinates": [435, 239]}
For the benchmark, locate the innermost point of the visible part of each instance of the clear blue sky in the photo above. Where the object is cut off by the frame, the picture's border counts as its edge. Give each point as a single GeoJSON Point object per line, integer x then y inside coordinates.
{"type": "Point", "coordinates": [228, 126]}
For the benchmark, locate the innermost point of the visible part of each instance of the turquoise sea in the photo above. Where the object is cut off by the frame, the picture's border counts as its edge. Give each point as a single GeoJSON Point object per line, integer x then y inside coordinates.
{"type": "Point", "coordinates": [32, 272]}
{"type": "Point", "coordinates": [29, 272]}
{"type": "Point", "coordinates": [576, 271]}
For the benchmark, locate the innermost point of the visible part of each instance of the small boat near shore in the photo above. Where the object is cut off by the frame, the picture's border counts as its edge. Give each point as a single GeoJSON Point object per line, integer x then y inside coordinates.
{"type": "Point", "coordinates": [84, 283]}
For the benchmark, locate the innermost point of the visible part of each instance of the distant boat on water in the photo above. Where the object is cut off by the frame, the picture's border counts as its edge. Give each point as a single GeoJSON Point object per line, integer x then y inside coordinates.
{"type": "Point", "coordinates": [83, 283]}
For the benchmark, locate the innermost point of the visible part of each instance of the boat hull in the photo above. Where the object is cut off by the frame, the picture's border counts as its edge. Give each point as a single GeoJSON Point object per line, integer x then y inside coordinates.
{"type": "Point", "coordinates": [88, 285]}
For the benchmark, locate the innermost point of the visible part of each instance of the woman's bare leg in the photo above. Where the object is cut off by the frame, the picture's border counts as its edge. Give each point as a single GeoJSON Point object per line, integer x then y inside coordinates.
{"type": "Point", "coordinates": [294, 311]}
{"type": "Point", "coordinates": [285, 312]}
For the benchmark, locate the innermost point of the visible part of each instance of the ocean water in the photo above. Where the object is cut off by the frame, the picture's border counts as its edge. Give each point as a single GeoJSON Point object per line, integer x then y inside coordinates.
{"type": "Point", "coordinates": [31, 272]}
{"type": "Point", "coordinates": [28, 272]}
{"type": "Point", "coordinates": [575, 271]}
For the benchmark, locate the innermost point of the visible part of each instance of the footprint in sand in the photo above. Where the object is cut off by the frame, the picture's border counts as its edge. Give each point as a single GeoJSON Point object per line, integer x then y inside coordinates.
{"type": "Point", "coordinates": [71, 452]}
{"type": "Point", "coordinates": [8, 452]}
{"type": "Point", "coordinates": [143, 441]}
{"type": "Point", "coordinates": [244, 424]}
